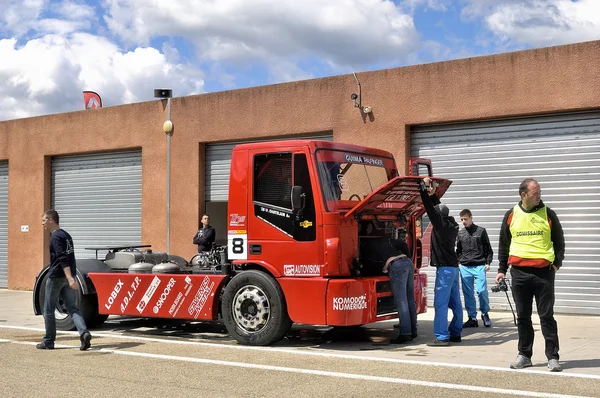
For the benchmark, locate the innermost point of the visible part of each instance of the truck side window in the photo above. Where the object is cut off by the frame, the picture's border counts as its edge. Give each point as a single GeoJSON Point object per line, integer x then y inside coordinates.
{"type": "Point", "coordinates": [304, 223]}
{"type": "Point", "coordinates": [273, 179]}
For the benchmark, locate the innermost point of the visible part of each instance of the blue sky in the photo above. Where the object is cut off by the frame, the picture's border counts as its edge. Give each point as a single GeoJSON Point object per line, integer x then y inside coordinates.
{"type": "Point", "coordinates": [52, 50]}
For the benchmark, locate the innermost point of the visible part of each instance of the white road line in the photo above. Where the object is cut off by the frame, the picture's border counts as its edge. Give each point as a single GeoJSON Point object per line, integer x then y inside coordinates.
{"type": "Point", "coordinates": [325, 373]}
{"type": "Point", "coordinates": [318, 354]}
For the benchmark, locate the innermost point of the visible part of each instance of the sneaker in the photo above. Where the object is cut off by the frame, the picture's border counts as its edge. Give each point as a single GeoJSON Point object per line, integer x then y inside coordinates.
{"type": "Point", "coordinates": [85, 338]}
{"type": "Point", "coordinates": [44, 346]}
{"type": "Point", "coordinates": [401, 339]}
{"type": "Point", "coordinates": [471, 323]}
{"type": "Point", "coordinates": [554, 366]}
{"type": "Point", "coordinates": [455, 339]}
{"type": "Point", "coordinates": [522, 362]}
{"type": "Point", "coordinates": [438, 343]}
{"type": "Point", "coordinates": [486, 320]}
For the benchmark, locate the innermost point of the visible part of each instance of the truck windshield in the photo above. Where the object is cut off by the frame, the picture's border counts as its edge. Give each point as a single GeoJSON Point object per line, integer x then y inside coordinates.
{"type": "Point", "coordinates": [346, 178]}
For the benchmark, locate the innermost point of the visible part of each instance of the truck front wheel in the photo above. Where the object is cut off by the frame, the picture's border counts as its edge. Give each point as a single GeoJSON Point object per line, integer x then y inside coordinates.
{"type": "Point", "coordinates": [87, 304]}
{"type": "Point", "coordinates": [254, 309]}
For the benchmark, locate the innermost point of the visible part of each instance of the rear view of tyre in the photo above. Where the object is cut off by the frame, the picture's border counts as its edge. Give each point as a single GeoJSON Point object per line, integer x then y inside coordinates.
{"type": "Point", "coordinates": [87, 304]}
{"type": "Point", "coordinates": [254, 309]}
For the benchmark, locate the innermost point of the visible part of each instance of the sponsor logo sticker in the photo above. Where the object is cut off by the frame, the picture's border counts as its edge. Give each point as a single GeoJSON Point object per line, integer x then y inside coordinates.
{"type": "Point", "coordinates": [350, 303]}
{"type": "Point", "coordinates": [302, 270]}
{"type": "Point", "coordinates": [201, 296]}
{"type": "Point", "coordinates": [163, 296]}
{"type": "Point", "coordinates": [148, 295]}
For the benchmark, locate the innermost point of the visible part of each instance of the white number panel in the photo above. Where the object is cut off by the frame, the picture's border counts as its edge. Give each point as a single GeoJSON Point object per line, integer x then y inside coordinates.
{"type": "Point", "coordinates": [237, 247]}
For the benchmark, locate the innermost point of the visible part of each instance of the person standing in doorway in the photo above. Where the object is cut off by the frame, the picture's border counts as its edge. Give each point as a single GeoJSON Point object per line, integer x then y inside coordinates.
{"type": "Point", "coordinates": [205, 237]}
{"type": "Point", "coordinates": [61, 283]}
{"type": "Point", "coordinates": [443, 257]}
{"type": "Point", "coordinates": [475, 255]}
{"type": "Point", "coordinates": [532, 243]}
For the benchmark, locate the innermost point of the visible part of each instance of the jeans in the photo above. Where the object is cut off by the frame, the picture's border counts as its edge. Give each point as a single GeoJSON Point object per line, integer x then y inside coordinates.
{"type": "Point", "coordinates": [447, 296]}
{"type": "Point", "coordinates": [59, 288]}
{"type": "Point", "coordinates": [527, 283]}
{"type": "Point", "coordinates": [474, 275]}
{"type": "Point", "coordinates": [402, 282]}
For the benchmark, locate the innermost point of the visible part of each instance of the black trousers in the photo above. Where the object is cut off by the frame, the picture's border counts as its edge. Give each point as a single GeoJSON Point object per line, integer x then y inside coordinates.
{"type": "Point", "coordinates": [527, 283]}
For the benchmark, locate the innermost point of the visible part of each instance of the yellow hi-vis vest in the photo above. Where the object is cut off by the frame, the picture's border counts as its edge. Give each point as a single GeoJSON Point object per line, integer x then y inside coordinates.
{"type": "Point", "coordinates": [531, 235]}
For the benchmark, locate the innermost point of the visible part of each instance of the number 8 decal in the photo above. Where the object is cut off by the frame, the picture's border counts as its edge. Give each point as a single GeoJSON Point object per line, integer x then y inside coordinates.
{"type": "Point", "coordinates": [237, 247]}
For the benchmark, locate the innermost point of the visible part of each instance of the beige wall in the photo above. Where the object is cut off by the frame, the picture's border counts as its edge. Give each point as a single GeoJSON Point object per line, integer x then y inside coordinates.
{"type": "Point", "coordinates": [528, 82]}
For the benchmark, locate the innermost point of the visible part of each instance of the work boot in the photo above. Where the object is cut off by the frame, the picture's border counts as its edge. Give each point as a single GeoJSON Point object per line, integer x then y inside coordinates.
{"type": "Point", "coordinates": [471, 323]}
{"type": "Point", "coordinates": [85, 338]}
{"type": "Point", "coordinates": [554, 366]}
{"type": "Point", "coordinates": [44, 346]}
{"type": "Point", "coordinates": [486, 320]}
{"type": "Point", "coordinates": [401, 339]}
{"type": "Point", "coordinates": [438, 343]}
{"type": "Point", "coordinates": [522, 362]}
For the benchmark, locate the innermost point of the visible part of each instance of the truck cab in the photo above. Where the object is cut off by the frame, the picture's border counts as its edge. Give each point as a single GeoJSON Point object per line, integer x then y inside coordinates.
{"type": "Point", "coordinates": [299, 212]}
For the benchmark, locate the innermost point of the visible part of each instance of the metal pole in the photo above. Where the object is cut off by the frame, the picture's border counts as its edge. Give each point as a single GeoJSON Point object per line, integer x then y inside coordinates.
{"type": "Point", "coordinates": [169, 180]}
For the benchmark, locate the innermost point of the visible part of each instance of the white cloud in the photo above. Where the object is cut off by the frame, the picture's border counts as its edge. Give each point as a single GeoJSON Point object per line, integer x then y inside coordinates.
{"type": "Point", "coordinates": [48, 74]}
{"type": "Point", "coordinates": [339, 32]}
{"type": "Point", "coordinates": [537, 22]}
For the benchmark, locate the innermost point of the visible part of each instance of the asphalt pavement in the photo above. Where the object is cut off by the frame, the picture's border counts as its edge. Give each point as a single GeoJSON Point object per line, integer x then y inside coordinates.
{"type": "Point", "coordinates": [146, 357]}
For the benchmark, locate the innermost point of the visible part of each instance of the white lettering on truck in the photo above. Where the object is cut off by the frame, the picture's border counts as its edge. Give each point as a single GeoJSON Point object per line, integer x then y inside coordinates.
{"type": "Point", "coordinates": [163, 296]}
{"type": "Point", "coordinates": [350, 303]}
{"type": "Point", "coordinates": [113, 295]}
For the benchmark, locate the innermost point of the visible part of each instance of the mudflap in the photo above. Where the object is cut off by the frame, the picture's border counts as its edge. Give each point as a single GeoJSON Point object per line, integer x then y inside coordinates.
{"type": "Point", "coordinates": [178, 296]}
{"type": "Point", "coordinates": [421, 292]}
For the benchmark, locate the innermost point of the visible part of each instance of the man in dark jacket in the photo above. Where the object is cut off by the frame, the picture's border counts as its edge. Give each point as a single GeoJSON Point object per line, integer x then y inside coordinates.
{"type": "Point", "coordinates": [61, 283]}
{"type": "Point", "coordinates": [443, 257]}
{"type": "Point", "coordinates": [475, 255]}
{"type": "Point", "coordinates": [205, 237]}
{"type": "Point", "coordinates": [532, 242]}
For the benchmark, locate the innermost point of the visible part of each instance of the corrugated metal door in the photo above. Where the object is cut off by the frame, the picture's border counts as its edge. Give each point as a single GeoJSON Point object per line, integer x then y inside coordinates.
{"type": "Point", "coordinates": [99, 198]}
{"type": "Point", "coordinates": [487, 160]}
{"type": "Point", "coordinates": [3, 225]}
{"type": "Point", "coordinates": [218, 162]}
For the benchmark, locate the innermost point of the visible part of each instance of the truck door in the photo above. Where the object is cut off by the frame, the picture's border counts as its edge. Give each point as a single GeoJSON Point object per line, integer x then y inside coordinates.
{"type": "Point", "coordinates": [277, 234]}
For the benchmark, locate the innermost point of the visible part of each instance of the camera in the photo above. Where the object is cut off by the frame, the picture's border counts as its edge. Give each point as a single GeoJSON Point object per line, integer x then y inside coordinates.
{"type": "Point", "coordinates": [501, 286]}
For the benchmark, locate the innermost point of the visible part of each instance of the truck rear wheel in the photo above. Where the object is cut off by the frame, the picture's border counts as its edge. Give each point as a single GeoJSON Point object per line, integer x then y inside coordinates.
{"type": "Point", "coordinates": [254, 309]}
{"type": "Point", "coordinates": [87, 304]}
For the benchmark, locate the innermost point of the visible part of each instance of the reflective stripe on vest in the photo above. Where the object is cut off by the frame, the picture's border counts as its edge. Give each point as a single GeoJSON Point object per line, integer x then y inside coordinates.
{"type": "Point", "coordinates": [531, 235]}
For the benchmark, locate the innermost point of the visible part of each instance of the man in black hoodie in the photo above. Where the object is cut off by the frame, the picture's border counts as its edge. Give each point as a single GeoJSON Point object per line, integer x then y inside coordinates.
{"type": "Point", "coordinates": [444, 258]}
{"type": "Point", "coordinates": [205, 237]}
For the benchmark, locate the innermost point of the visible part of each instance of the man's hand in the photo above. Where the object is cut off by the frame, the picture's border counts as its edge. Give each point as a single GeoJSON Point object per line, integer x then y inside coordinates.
{"type": "Point", "coordinates": [430, 185]}
{"type": "Point", "coordinates": [555, 268]}
{"type": "Point", "coordinates": [499, 276]}
{"type": "Point", "coordinates": [73, 283]}
{"type": "Point", "coordinates": [487, 267]}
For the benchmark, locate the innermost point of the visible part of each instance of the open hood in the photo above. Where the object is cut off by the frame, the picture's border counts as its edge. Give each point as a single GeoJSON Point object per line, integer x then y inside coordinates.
{"type": "Point", "coordinates": [399, 195]}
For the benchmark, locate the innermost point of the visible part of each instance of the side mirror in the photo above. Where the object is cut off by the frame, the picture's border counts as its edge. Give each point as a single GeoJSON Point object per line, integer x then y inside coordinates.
{"type": "Point", "coordinates": [298, 197]}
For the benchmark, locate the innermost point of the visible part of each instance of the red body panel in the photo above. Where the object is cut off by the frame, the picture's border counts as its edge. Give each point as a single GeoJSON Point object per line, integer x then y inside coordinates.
{"type": "Point", "coordinates": [178, 296]}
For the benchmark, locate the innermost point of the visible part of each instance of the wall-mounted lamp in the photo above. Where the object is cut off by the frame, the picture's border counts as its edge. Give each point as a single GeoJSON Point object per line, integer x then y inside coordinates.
{"type": "Point", "coordinates": [357, 98]}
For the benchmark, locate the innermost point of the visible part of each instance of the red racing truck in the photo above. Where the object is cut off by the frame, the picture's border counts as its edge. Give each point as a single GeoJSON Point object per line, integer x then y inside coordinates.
{"type": "Point", "coordinates": [298, 211]}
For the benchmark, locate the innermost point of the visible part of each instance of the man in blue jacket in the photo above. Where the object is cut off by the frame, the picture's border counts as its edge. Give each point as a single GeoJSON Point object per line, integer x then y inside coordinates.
{"type": "Point", "coordinates": [443, 257]}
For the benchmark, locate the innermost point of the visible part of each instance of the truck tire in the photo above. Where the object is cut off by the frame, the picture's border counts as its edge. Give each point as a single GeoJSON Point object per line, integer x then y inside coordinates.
{"type": "Point", "coordinates": [254, 309]}
{"type": "Point", "coordinates": [88, 306]}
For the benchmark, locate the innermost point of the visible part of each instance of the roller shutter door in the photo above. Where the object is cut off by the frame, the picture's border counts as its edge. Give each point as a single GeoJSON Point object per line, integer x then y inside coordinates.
{"type": "Point", "coordinates": [3, 225]}
{"type": "Point", "coordinates": [487, 160]}
{"type": "Point", "coordinates": [99, 198]}
{"type": "Point", "coordinates": [218, 162]}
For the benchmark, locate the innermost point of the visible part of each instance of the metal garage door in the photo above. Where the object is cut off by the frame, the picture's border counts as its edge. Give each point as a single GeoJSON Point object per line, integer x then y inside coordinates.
{"type": "Point", "coordinates": [488, 160]}
{"type": "Point", "coordinates": [218, 161]}
{"type": "Point", "coordinates": [99, 198]}
{"type": "Point", "coordinates": [3, 225]}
